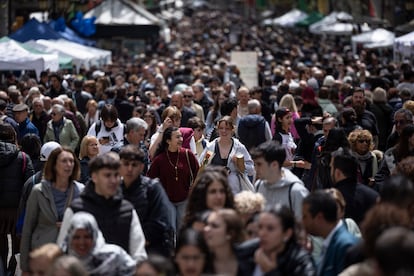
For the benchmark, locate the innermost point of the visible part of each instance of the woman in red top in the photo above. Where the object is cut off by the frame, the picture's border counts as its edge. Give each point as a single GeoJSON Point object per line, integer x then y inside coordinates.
{"type": "Point", "coordinates": [176, 168]}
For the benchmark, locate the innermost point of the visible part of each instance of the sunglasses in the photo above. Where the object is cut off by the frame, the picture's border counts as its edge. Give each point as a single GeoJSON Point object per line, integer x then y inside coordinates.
{"type": "Point", "coordinates": [366, 141]}
{"type": "Point", "coordinates": [187, 96]}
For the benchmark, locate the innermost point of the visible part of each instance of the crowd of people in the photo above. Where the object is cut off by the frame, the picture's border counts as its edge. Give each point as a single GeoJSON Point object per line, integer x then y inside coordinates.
{"type": "Point", "coordinates": [165, 163]}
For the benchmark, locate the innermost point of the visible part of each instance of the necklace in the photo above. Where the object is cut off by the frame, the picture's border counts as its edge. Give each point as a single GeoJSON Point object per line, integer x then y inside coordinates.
{"type": "Point", "coordinates": [176, 164]}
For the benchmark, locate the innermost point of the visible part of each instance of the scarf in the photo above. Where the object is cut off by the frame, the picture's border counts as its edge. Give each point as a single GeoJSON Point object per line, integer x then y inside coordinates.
{"type": "Point", "coordinates": [57, 129]}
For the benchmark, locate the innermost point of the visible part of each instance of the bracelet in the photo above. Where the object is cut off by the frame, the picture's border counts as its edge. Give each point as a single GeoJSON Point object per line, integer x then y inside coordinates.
{"type": "Point", "coordinates": [294, 164]}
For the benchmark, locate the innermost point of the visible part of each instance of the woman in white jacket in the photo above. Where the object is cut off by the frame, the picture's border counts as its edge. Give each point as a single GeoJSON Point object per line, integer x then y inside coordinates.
{"type": "Point", "coordinates": [229, 152]}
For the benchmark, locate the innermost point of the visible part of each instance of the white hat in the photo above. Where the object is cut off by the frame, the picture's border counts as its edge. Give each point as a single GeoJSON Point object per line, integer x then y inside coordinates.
{"type": "Point", "coordinates": [47, 149]}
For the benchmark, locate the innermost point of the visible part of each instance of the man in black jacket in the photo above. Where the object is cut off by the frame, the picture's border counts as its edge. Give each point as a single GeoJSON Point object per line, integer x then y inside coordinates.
{"type": "Point", "coordinates": [149, 199]}
{"type": "Point", "coordinates": [135, 129]}
{"type": "Point", "coordinates": [359, 198]}
{"type": "Point", "coordinates": [102, 197]}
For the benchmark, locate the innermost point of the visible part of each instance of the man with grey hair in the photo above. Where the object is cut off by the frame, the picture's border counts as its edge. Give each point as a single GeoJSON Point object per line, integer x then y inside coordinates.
{"type": "Point", "coordinates": [253, 129]}
{"type": "Point", "coordinates": [188, 96]}
{"type": "Point", "coordinates": [201, 98]}
{"type": "Point", "coordinates": [186, 112]}
{"type": "Point", "coordinates": [135, 129]}
{"type": "Point", "coordinates": [39, 116]}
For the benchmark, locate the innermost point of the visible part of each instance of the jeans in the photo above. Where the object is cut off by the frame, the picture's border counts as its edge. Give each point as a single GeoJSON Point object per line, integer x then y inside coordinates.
{"type": "Point", "coordinates": [177, 214]}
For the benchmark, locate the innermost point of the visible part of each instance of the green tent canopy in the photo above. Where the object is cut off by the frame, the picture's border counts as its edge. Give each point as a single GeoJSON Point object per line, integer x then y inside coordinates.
{"type": "Point", "coordinates": [312, 18]}
{"type": "Point", "coordinates": [65, 62]}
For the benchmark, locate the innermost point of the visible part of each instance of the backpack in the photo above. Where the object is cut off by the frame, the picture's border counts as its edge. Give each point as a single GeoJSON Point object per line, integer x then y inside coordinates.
{"type": "Point", "coordinates": [251, 136]}
{"type": "Point", "coordinates": [98, 126]}
{"type": "Point", "coordinates": [289, 192]}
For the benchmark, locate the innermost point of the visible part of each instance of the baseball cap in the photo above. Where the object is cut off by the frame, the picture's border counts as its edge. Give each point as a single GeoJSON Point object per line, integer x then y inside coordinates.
{"type": "Point", "coordinates": [47, 149]}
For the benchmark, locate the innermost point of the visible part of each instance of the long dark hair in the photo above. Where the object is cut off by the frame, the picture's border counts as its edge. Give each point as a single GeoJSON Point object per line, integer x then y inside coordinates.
{"type": "Point", "coordinates": [286, 218]}
{"type": "Point", "coordinates": [197, 198]}
{"type": "Point", "coordinates": [280, 113]}
{"type": "Point", "coordinates": [7, 133]}
{"type": "Point", "coordinates": [191, 237]}
{"type": "Point", "coordinates": [402, 149]}
{"type": "Point", "coordinates": [31, 145]}
{"type": "Point", "coordinates": [163, 146]}
{"type": "Point", "coordinates": [152, 128]}
{"type": "Point", "coordinates": [336, 138]}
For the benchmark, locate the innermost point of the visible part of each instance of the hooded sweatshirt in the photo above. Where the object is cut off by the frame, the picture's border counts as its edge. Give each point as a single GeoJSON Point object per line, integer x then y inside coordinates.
{"type": "Point", "coordinates": [289, 191]}
{"type": "Point", "coordinates": [14, 169]}
{"type": "Point", "coordinates": [252, 130]}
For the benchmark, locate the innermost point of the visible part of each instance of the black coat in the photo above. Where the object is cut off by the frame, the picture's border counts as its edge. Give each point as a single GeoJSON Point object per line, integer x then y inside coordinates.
{"type": "Point", "coordinates": [293, 261]}
{"type": "Point", "coordinates": [113, 215]}
{"type": "Point", "coordinates": [359, 198]}
{"type": "Point", "coordinates": [14, 170]}
{"type": "Point", "coordinates": [152, 205]}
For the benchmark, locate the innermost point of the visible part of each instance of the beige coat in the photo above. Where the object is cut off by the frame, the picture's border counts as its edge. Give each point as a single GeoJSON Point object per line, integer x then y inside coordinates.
{"type": "Point", "coordinates": [40, 220]}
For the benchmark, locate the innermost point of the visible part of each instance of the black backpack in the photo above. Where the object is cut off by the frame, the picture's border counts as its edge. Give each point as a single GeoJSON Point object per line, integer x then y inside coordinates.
{"type": "Point", "coordinates": [252, 136]}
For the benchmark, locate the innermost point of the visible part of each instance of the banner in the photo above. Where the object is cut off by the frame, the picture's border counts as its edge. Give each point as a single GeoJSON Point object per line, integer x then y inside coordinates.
{"type": "Point", "coordinates": [246, 62]}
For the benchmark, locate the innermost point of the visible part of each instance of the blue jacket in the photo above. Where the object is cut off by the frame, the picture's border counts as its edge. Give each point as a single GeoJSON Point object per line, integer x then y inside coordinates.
{"type": "Point", "coordinates": [26, 127]}
{"type": "Point", "coordinates": [333, 261]}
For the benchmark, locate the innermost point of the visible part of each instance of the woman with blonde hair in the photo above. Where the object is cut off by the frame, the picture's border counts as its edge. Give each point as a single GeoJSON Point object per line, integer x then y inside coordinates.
{"type": "Point", "coordinates": [249, 205]}
{"type": "Point", "coordinates": [89, 148]}
{"type": "Point", "coordinates": [362, 146]}
{"type": "Point", "coordinates": [40, 259]}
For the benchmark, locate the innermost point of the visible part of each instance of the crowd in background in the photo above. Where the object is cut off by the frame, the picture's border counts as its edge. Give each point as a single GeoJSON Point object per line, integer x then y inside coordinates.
{"type": "Point", "coordinates": [165, 163]}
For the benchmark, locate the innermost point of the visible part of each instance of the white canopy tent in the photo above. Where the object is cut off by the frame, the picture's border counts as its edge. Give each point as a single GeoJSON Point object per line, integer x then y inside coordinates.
{"type": "Point", "coordinates": [78, 58]}
{"type": "Point", "coordinates": [379, 38]}
{"type": "Point", "coordinates": [288, 19]}
{"type": "Point", "coordinates": [404, 47]}
{"type": "Point", "coordinates": [335, 22]}
{"type": "Point", "coordinates": [340, 28]}
{"type": "Point", "coordinates": [82, 56]}
{"type": "Point", "coordinates": [122, 12]}
{"type": "Point", "coordinates": [14, 57]}
{"type": "Point", "coordinates": [103, 56]}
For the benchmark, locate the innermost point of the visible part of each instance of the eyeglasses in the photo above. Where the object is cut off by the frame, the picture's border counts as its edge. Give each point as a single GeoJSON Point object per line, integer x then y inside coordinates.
{"type": "Point", "coordinates": [366, 141]}
{"type": "Point", "coordinates": [187, 96]}
{"type": "Point", "coordinates": [52, 113]}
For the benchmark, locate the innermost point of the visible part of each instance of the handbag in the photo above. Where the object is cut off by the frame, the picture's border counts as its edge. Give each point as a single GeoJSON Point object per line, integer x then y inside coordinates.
{"type": "Point", "coordinates": [245, 183]}
{"type": "Point", "coordinates": [189, 166]}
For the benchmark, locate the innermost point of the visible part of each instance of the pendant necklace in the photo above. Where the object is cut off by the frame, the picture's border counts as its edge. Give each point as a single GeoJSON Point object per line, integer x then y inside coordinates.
{"type": "Point", "coordinates": [176, 164]}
